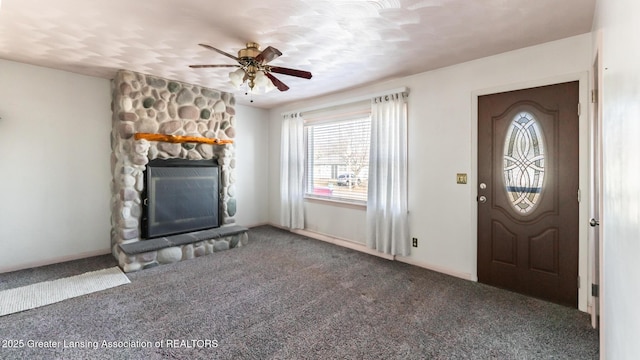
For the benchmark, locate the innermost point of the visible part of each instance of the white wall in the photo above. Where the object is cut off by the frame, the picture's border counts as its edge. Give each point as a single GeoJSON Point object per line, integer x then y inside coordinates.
{"type": "Point", "coordinates": [442, 132]}
{"type": "Point", "coordinates": [252, 165]}
{"type": "Point", "coordinates": [54, 161]}
{"type": "Point", "coordinates": [617, 28]}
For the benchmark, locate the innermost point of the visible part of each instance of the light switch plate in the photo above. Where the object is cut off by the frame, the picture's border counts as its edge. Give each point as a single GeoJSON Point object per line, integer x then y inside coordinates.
{"type": "Point", "coordinates": [461, 178]}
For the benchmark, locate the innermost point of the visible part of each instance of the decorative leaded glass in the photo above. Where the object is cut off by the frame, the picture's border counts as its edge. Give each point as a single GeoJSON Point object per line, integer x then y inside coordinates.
{"type": "Point", "coordinates": [524, 162]}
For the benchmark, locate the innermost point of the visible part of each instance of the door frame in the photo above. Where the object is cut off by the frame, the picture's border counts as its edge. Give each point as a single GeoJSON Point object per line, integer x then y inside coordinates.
{"type": "Point", "coordinates": [596, 195]}
{"type": "Point", "coordinates": [584, 268]}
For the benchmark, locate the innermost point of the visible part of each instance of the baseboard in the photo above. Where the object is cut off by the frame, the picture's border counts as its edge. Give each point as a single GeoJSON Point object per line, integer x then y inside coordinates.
{"type": "Point", "coordinates": [363, 248]}
{"type": "Point", "coordinates": [56, 260]}
{"type": "Point", "coordinates": [342, 242]}
{"type": "Point", "coordinates": [278, 226]}
{"type": "Point", "coordinates": [439, 269]}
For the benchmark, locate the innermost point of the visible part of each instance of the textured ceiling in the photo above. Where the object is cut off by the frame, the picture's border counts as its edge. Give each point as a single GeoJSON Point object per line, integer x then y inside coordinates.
{"type": "Point", "coordinates": [344, 43]}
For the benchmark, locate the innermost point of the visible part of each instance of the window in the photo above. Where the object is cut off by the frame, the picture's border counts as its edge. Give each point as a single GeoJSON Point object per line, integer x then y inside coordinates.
{"type": "Point", "coordinates": [524, 162]}
{"type": "Point", "coordinates": [337, 161]}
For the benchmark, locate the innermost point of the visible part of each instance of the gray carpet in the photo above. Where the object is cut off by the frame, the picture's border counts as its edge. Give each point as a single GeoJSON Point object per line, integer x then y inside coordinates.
{"type": "Point", "coordinates": [288, 297]}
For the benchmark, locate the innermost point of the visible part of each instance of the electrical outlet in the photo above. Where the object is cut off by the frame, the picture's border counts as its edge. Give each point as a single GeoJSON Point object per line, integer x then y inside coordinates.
{"type": "Point", "coordinates": [415, 242]}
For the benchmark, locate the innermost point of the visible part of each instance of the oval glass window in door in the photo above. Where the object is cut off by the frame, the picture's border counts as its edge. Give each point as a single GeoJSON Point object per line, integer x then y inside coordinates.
{"type": "Point", "coordinates": [524, 163]}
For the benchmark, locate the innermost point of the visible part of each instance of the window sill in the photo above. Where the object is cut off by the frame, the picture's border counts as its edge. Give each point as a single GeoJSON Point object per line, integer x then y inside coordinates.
{"type": "Point", "coordinates": [336, 202]}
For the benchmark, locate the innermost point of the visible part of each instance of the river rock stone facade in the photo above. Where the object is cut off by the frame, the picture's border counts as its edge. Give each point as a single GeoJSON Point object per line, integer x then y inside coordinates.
{"type": "Point", "coordinates": [144, 103]}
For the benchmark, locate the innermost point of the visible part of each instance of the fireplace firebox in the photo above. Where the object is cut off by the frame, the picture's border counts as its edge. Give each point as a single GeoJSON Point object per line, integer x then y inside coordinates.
{"type": "Point", "coordinates": [180, 196]}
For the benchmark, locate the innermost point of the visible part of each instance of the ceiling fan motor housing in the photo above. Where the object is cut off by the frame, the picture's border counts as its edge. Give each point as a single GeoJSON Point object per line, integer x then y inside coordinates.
{"type": "Point", "coordinates": [250, 52]}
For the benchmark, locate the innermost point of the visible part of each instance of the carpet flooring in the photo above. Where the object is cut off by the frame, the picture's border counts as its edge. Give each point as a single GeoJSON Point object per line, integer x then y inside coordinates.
{"type": "Point", "coordinates": [285, 296]}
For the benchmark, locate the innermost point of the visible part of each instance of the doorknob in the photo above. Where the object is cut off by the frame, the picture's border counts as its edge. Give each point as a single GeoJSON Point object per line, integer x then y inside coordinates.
{"type": "Point", "coordinates": [482, 199]}
{"type": "Point", "coordinates": [594, 222]}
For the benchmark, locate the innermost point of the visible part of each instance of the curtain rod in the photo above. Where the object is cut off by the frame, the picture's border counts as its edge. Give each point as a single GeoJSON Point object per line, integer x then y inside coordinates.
{"type": "Point", "coordinates": [350, 100]}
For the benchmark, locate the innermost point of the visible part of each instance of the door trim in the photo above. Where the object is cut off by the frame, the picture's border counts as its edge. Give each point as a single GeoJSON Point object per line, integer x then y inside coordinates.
{"type": "Point", "coordinates": [583, 163]}
{"type": "Point", "coordinates": [596, 193]}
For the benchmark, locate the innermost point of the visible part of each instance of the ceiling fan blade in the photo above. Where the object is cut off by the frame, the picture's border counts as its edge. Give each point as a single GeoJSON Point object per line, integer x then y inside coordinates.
{"type": "Point", "coordinates": [219, 51]}
{"type": "Point", "coordinates": [268, 54]}
{"type": "Point", "coordinates": [279, 84]}
{"type": "Point", "coordinates": [290, 72]}
{"type": "Point", "coordinates": [211, 66]}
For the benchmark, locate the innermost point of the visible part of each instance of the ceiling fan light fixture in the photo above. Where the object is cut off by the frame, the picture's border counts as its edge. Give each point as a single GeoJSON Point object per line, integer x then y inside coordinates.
{"type": "Point", "coordinates": [261, 83]}
{"type": "Point", "coordinates": [261, 79]}
{"type": "Point", "coordinates": [237, 77]}
{"type": "Point", "coordinates": [269, 86]}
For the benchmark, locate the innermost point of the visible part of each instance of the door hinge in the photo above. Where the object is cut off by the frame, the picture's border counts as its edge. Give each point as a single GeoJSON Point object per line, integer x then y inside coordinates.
{"type": "Point", "coordinates": [579, 195]}
{"type": "Point", "coordinates": [595, 290]}
{"type": "Point", "coordinates": [578, 281]}
{"type": "Point", "coordinates": [579, 109]}
{"type": "Point", "coordinates": [594, 96]}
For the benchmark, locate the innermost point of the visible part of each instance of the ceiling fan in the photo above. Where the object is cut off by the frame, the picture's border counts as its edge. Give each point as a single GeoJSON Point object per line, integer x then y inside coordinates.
{"type": "Point", "coordinates": [253, 67]}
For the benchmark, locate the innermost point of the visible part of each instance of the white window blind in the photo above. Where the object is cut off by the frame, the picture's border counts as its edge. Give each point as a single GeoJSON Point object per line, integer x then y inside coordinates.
{"type": "Point", "coordinates": [337, 145]}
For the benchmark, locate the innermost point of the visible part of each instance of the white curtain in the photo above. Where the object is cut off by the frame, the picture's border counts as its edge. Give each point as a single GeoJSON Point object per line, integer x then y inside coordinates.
{"type": "Point", "coordinates": [387, 212]}
{"type": "Point", "coordinates": [292, 171]}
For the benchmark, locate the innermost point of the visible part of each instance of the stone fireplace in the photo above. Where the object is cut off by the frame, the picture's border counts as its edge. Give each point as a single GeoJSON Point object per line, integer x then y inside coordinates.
{"type": "Point", "coordinates": [146, 104]}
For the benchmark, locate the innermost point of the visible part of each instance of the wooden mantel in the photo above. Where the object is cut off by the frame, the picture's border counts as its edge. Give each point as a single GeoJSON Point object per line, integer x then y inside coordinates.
{"type": "Point", "coordinates": [180, 139]}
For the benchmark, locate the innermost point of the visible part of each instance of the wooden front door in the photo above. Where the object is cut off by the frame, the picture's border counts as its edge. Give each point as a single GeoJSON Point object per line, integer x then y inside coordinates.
{"type": "Point", "coordinates": [528, 191]}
